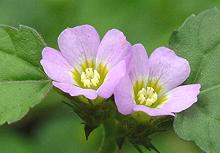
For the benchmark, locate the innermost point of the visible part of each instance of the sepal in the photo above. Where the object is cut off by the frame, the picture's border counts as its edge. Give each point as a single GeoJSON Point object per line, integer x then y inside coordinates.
{"type": "Point", "coordinates": [138, 128]}
{"type": "Point", "coordinates": [88, 130]}
{"type": "Point", "coordinates": [92, 112]}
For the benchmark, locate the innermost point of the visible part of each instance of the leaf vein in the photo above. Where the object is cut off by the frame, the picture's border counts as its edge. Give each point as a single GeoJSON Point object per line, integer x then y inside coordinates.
{"type": "Point", "coordinates": [16, 50]}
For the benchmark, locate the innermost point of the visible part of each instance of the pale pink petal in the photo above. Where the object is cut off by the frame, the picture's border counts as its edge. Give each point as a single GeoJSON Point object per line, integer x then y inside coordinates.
{"type": "Point", "coordinates": [123, 96]}
{"type": "Point", "coordinates": [113, 48]}
{"type": "Point", "coordinates": [112, 79]}
{"type": "Point", "coordinates": [55, 66]}
{"type": "Point", "coordinates": [76, 91]}
{"type": "Point", "coordinates": [139, 65]}
{"type": "Point", "coordinates": [170, 69]}
{"type": "Point", "coordinates": [152, 111]}
{"type": "Point", "coordinates": [79, 43]}
{"type": "Point", "coordinates": [181, 98]}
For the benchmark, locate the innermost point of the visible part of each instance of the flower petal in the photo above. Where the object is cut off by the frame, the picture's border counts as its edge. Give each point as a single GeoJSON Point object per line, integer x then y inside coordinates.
{"type": "Point", "coordinates": [152, 111]}
{"type": "Point", "coordinates": [112, 79]}
{"type": "Point", "coordinates": [181, 98]}
{"type": "Point", "coordinates": [139, 65]}
{"type": "Point", "coordinates": [79, 43]}
{"type": "Point", "coordinates": [113, 48]}
{"type": "Point", "coordinates": [76, 91]}
{"type": "Point", "coordinates": [170, 69]}
{"type": "Point", "coordinates": [123, 96]}
{"type": "Point", "coordinates": [55, 66]}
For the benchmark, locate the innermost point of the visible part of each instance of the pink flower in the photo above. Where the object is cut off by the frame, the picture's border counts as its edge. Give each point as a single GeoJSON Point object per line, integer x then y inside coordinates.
{"type": "Point", "coordinates": [84, 65]}
{"type": "Point", "coordinates": [151, 85]}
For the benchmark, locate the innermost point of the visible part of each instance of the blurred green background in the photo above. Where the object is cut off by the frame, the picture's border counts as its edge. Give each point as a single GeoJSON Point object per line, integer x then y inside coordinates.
{"type": "Point", "coordinates": [52, 127]}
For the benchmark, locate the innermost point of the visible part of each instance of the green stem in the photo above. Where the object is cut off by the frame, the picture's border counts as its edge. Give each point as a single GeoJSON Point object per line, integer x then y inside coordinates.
{"type": "Point", "coordinates": [109, 142]}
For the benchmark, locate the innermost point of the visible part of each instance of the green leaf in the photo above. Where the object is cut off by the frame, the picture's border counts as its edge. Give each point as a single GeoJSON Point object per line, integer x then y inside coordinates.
{"type": "Point", "coordinates": [22, 81]}
{"type": "Point", "coordinates": [109, 144]}
{"type": "Point", "coordinates": [198, 40]}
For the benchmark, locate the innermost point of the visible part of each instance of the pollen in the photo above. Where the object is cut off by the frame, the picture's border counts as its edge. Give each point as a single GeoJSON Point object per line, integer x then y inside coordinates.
{"type": "Point", "coordinates": [90, 78]}
{"type": "Point", "coordinates": [147, 96]}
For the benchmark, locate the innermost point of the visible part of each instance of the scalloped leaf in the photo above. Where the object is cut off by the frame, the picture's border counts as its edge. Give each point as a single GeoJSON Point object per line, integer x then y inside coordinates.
{"type": "Point", "coordinates": [198, 40]}
{"type": "Point", "coordinates": [22, 81]}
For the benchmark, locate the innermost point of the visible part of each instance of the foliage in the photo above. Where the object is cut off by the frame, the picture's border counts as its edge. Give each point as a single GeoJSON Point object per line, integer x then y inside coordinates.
{"type": "Point", "coordinates": [198, 40]}
{"type": "Point", "coordinates": [22, 82]}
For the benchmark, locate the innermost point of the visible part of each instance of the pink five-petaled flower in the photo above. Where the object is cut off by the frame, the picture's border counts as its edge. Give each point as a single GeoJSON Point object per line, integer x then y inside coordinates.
{"type": "Point", "coordinates": [84, 65]}
{"type": "Point", "coordinates": [151, 84]}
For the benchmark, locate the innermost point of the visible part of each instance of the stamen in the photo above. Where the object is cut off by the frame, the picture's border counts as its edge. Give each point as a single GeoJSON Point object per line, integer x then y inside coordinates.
{"type": "Point", "coordinates": [147, 96]}
{"type": "Point", "coordinates": [90, 77]}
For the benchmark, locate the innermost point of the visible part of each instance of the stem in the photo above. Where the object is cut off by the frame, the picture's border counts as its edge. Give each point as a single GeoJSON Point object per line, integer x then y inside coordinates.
{"type": "Point", "coordinates": [109, 142]}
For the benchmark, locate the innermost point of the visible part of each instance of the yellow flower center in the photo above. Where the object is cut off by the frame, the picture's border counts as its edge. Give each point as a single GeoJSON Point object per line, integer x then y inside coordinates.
{"type": "Point", "coordinates": [147, 96]}
{"type": "Point", "coordinates": [90, 77]}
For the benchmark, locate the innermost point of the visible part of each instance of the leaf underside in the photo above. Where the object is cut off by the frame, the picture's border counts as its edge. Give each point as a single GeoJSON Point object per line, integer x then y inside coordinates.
{"type": "Point", "coordinates": [22, 81]}
{"type": "Point", "coordinates": [198, 40]}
